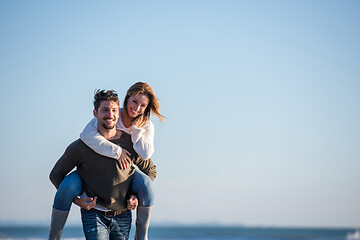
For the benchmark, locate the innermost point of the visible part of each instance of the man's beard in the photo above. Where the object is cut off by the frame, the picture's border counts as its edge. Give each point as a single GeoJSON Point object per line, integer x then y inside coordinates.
{"type": "Point", "coordinates": [109, 127]}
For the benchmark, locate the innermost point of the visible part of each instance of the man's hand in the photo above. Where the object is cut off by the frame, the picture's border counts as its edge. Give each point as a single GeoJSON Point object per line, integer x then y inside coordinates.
{"type": "Point", "coordinates": [132, 202]}
{"type": "Point", "coordinates": [124, 160]}
{"type": "Point", "coordinates": [86, 203]}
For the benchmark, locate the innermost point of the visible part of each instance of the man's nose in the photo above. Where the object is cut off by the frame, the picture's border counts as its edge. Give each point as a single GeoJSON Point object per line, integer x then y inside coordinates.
{"type": "Point", "coordinates": [108, 113]}
{"type": "Point", "coordinates": [112, 113]}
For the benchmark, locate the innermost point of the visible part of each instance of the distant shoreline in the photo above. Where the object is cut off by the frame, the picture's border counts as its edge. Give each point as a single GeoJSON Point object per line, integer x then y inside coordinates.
{"type": "Point", "coordinates": [45, 224]}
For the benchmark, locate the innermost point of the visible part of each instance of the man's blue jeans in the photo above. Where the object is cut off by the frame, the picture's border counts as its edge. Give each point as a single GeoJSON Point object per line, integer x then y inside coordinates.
{"type": "Point", "coordinates": [71, 186]}
{"type": "Point", "coordinates": [97, 226]}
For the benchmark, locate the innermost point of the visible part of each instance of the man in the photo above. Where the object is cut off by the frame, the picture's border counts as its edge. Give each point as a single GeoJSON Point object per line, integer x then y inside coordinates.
{"type": "Point", "coordinates": [103, 180]}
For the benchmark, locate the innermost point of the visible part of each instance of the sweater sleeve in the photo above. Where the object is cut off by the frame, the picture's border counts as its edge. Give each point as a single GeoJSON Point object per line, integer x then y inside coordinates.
{"type": "Point", "coordinates": [147, 167]}
{"type": "Point", "coordinates": [67, 162]}
{"type": "Point", "coordinates": [143, 140]}
{"type": "Point", "coordinates": [94, 140]}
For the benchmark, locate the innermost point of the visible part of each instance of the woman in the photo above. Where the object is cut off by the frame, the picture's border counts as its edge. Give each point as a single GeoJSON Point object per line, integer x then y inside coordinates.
{"type": "Point", "coordinates": [140, 101]}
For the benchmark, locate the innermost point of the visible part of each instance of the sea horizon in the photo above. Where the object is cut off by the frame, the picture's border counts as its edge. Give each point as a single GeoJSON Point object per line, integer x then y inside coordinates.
{"type": "Point", "coordinates": [191, 232]}
{"type": "Point", "coordinates": [45, 223]}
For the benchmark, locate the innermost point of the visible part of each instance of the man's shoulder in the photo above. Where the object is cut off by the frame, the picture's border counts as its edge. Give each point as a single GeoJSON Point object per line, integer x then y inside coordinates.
{"type": "Point", "coordinates": [76, 146]}
{"type": "Point", "coordinates": [77, 143]}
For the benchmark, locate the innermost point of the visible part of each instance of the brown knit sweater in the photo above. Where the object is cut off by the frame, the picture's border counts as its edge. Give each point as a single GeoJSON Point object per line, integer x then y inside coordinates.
{"type": "Point", "coordinates": [101, 176]}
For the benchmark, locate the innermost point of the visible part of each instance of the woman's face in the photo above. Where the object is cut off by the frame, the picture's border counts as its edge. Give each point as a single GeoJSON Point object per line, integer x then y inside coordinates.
{"type": "Point", "coordinates": [137, 104]}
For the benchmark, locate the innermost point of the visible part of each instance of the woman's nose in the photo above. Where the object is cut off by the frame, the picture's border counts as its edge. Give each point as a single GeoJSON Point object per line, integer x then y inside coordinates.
{"type": "Point", "coordinates": [138, 107]}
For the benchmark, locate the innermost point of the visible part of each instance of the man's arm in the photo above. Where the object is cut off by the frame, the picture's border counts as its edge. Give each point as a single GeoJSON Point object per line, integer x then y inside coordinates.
{"type": "Point", "coordinates": [147, 167]}
{"type": "Point", "coordinates": [67, 162]}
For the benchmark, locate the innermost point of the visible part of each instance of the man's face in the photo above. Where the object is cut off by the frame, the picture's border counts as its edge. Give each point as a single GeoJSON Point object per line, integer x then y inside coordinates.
{"type": "Point", "coordinates": [107, 114]}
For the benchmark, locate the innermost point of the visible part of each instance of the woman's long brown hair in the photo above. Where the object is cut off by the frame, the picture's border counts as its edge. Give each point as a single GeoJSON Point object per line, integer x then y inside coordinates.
{"type": "Point", "coordinates": [152, 107]}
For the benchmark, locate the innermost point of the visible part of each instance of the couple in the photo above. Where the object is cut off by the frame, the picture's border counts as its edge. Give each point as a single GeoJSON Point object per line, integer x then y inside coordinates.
{"type": "Point", "coordinates": [103, 156]}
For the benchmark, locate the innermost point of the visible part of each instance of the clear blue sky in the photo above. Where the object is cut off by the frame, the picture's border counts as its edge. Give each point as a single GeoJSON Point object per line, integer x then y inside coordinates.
{"type": "Point", "coordinates": [262, 100]}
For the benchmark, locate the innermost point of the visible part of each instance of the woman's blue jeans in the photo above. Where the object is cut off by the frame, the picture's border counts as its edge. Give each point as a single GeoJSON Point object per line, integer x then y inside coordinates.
{"type": "Point", "coordinates": [71, 186]}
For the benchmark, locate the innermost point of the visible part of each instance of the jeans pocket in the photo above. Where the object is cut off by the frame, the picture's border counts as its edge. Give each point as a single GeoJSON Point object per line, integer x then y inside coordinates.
{"type": "Point", "coordinates": [93, 226]}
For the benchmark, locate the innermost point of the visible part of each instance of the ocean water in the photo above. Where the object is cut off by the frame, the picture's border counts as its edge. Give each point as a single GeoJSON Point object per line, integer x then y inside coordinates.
{"type": "Point", "coordinates": [194, 233]}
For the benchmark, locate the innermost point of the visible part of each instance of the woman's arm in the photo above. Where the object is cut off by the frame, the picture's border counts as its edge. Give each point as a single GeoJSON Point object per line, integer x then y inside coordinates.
{"type": "Point", "coordinates": [94, 140]}
{"type": "Point", "coordinates": [143, 140]}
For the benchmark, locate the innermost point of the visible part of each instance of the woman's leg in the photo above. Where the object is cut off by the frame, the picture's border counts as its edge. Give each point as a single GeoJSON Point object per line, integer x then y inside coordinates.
{"type": "Point", "coordinates": [142, 185]}
{"type": "Point", "coordinates": [70, 187]}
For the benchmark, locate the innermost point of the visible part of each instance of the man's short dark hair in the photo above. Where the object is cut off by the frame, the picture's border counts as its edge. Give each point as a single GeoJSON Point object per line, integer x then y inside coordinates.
{"type": "Point", "coordinates": [102, 95]}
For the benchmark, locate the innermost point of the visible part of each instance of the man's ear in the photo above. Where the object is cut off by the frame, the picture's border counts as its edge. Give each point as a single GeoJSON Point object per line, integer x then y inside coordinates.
{"type": "Point", "coordinates": [95, 113]}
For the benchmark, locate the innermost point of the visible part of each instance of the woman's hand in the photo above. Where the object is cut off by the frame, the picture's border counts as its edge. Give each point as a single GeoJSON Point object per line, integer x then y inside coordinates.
{"type": "Point", "coordinates": [132, 202]}
{"type": "Point", "coordinates": [86, 203]}
{"type": "Point", "coordinates": [124, 159]}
